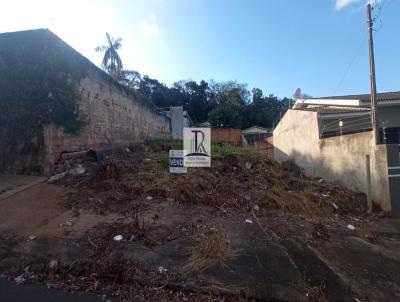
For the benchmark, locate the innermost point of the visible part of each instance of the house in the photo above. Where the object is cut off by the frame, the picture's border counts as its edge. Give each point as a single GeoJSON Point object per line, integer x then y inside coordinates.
{"type": "Point", "coordinates": [259, 138]}
{"type": "Point", "coordinates": [333, 138]}
{"type": "Point", "coordinates": [354, 112]}
{"type": "Point", "coordinates": [53, 100]}
{"type": "Point", "coordinates": [256, 130]}
{"type": "Point", "coordinates": [256, 134]}
{"type": "Point", "coordinates": [205, 124]}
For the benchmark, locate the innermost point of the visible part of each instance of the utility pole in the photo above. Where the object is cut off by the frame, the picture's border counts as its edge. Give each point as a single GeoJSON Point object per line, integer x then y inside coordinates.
{"type": "Point", "coordinates": [374, 107]}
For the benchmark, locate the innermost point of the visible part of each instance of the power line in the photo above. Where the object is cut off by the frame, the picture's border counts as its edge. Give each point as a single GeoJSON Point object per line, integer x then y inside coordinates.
{"type": "Point", "coordinates": [384, 5]}
{"type": "Point", "coordinates": [350, 64]}
{"type": "Point", "coordinates": [381, 8]}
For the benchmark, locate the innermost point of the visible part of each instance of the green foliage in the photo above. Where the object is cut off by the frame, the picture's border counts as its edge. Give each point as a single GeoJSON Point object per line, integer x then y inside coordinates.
{"type": "Point", "coordinates": [158, 144]}
{"type": "Point", "coordinates": [150, 175]}
{"type": "Point", "coordinates": [164, 161]}
{"type": "Point", "coordinates": [224, 104]}
{"type": "Point", "coordinates": [225, 149]}
{"type": "Point", "coordinates": [112, 62]}
{"type": "Point", "coordinates": [228, 112]}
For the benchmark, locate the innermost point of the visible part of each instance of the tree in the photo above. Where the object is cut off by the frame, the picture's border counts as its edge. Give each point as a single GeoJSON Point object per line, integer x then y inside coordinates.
{"type": "Point", "coordinates": [229, 108]}
{"type": "Point", "coordinates": [131, 79]}
{"type": "Point", "coordinates": [195, 98]}
{"type": "Point", "coordinates": [112, 62]}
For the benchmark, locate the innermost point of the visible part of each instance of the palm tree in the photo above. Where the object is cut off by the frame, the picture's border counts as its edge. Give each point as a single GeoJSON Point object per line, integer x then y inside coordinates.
{"type": "Point", "coordinates": [111, 63]}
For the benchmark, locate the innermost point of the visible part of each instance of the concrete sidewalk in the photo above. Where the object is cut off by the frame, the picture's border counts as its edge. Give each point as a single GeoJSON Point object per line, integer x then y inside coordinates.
{"type": "Point", "coordinates": [11, 184]}
{"type": "Point", "coordinates": [11, 292]}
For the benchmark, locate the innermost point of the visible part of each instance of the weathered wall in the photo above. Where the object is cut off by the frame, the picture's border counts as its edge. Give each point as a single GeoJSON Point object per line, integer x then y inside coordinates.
{"type": "Point", "coordinates": [177, 122]}
{"type": "Point", "coordinates": [341, 159]}
{"type": "Point", "coordinates": [345, 160]}
{"type": "Point", "coordinates": [297, 137]}
{"type": "Point", "coordinates": [113, 119]}
{"type": "Point", "coordinates": [38, 76]}
{"type": "Point", "coordinates": [47, 89]}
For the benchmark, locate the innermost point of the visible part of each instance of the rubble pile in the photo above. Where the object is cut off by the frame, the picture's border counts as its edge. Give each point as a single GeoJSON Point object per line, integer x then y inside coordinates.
{"type": "Point", "coordinates": [129, 181]}
{"type": "Point", "coordinates": [171, 227]}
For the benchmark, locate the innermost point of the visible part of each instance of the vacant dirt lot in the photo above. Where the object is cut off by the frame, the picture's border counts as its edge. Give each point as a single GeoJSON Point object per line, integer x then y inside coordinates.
{"type": "Point", "coordinates": [247, 229]}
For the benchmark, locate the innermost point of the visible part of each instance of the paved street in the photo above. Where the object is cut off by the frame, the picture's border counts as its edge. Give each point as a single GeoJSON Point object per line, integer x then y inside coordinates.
{"type": "Point", "coordinates": [11, 292]}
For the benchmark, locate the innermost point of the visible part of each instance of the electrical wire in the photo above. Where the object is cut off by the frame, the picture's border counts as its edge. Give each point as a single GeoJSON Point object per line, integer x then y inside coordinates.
{"type": "Point", "coordinates": [363, 41]}
{"type": "Point", "coordinates": [381, 8]}
{"type": "Point", "coordinates": [384, 5]}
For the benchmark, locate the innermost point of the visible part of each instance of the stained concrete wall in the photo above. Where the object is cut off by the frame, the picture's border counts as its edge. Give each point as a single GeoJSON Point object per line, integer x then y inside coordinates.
{"type": "Point", "coordinates": [297, 137]}
{"type": "Point", "coordinates": [112, 119]}
{"type": "Point", "coordinates": [342, 159]}
{"type": "Point", "coordinates": [44, 82]}
{"type": "Point", "coordinates": [177, 122]}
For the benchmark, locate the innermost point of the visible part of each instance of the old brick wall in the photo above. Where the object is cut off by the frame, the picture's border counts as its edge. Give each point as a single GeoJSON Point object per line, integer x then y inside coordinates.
{"type": "Point", "coordinates": [113, 119]}
{"type": "Point", "coordinates": [47, 89]}
{"type": "Point", "coordinates": [229, 135]}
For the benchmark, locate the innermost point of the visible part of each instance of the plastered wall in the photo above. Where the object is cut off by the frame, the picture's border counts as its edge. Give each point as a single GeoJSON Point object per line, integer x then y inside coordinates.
{"type": "Point", "coordinates": [342, 159]}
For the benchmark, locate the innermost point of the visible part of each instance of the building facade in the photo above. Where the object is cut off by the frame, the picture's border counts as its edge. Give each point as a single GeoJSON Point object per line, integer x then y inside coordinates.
{"type": "Point", "coordinates": [333, 139]}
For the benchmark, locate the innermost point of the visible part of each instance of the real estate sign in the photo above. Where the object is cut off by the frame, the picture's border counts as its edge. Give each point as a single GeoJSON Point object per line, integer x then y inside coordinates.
{"type": "Point", "coordinates": [176, 161]}
{"type": "Point", "coordinates": [197, 147]}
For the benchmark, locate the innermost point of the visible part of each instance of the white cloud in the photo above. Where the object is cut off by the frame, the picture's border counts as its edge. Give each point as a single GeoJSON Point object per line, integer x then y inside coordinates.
{"type": "Point", "coordinates": [340, 4]}
{"type": "Point", "coordinates": [149, 27]}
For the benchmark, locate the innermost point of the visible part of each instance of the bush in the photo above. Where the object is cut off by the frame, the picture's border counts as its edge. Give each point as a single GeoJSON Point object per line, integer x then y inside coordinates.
{"type": "Point", "coordinates": [150, 175]}
{"type": "Point", "coordinates": [164, 144]}
{"type": "Point", "coordinates": [164, 161]}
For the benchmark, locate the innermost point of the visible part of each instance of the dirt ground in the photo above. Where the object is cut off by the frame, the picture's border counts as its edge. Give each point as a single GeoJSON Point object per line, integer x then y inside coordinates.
{"type": "Point", "coordinates": [248, 229]}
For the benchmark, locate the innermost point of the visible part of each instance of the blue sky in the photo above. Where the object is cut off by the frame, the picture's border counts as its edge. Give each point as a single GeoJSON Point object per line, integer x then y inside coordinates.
{"type": "Point", "coordinates": [275, 45]}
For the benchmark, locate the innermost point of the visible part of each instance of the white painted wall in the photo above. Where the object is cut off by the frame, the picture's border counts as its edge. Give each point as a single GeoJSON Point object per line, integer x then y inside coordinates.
{"type": "Point", "coordinates": [340, 159]}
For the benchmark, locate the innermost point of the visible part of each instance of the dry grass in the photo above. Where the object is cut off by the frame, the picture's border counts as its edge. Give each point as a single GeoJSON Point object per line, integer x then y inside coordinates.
{"type": "Point", "coordinates": [303, 203]}
{"type": "Point", "coordinates": [212, 249]}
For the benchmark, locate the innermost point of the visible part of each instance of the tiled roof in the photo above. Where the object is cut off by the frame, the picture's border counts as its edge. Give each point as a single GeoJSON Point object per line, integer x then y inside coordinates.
{"type": "Point", "coordinates": [324, 110]}
{"type": "Point", "coordinates": [382, 97]}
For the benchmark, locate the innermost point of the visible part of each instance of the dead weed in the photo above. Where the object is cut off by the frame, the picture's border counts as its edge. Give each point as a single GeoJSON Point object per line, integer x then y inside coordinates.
{"type": "Point", "coordinates": [303, 203]}
{"type": "Point", "coordinates": [212, 249]}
